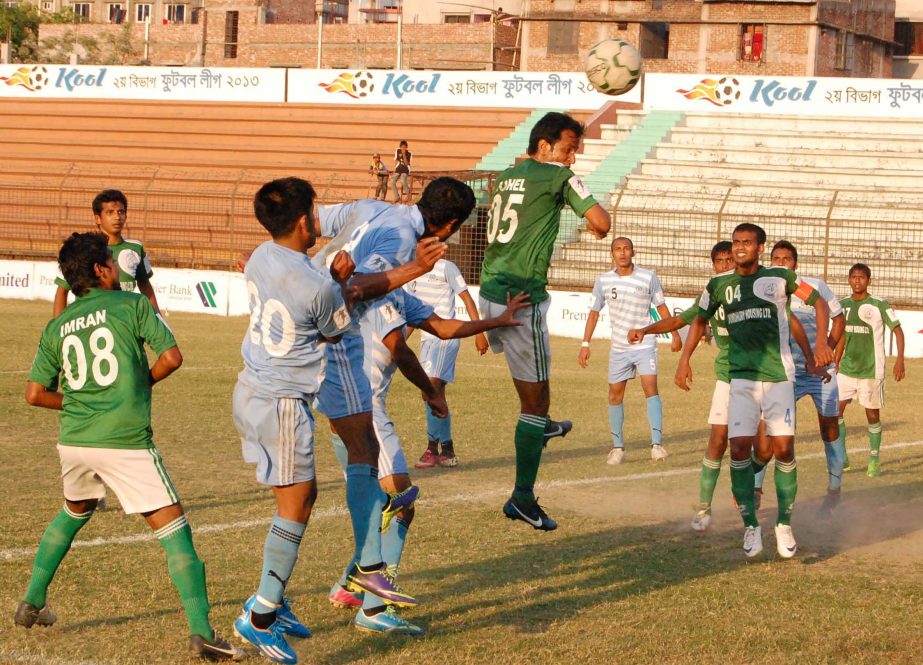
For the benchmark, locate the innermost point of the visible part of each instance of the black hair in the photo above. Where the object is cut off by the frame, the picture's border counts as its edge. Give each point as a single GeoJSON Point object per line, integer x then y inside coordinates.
{"type": "Point", "coordinates": [108, 196]}
{"type": "Point", "coordinates": [550, 128]}
{"type": "Point", "coordinates": [752, 228]}
{"type": "Point", "coordinates": [785, 244]}
{"type": "Point", "coordinates": [861, 267]}
{"type": "Point", "coordinates": [444, 200]}
{"type": "Point", "coordinates": [615, 240]}
{"type": "Point", "coordinates": [279, 205]}
{"type": "Point", "coordinates": [402, 143]}
{"type": "Point", "coordinates": [723, 246]}
{"type": "Point", "coordinates": [77, 257]}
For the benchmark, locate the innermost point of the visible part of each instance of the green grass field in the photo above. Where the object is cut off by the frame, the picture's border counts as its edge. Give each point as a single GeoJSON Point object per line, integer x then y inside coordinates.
{"type": "Point", "coordinates": [622, 580]}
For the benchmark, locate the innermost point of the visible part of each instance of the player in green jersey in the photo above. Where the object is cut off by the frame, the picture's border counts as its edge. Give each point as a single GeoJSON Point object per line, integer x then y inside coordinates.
{"type": "Point", "coordinates": [105, 403]}
{"type": "Point", "coordinates": [755, 301]}
{"type": "Point", "coordinates": [522, 226]}
{"type": "Point", "coordinates": [860, 356]}
{"type": "Point", "coordinates": [110, 212]}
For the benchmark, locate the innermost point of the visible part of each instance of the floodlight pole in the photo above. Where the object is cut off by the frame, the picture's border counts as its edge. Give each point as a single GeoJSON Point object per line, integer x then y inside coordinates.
{"type": "Point", "coordinates": [319, 8]}
{"type": "Point", "coordinates": [400, 46]}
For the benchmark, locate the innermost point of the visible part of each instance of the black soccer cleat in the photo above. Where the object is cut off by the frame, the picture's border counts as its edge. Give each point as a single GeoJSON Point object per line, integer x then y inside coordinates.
{"type": "Point", "coordinates": [218, 649]}
{"type": "Point", "coordinates": [555, 428]}
{"type": "Point", "coordinates": [532, 515]}
{"type": "Point", "coordinates": [28, 615]}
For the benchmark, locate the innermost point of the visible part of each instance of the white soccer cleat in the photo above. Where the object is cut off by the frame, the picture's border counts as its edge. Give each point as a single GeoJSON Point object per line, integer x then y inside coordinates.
{"type": "Point", "coordinates": [753, 541]}
{"type": "Point", "coordinates": [658, 452]}
{"type": "Point", "coordinates": [702, 519]}
{"type": "Point", "coordinates": [785, 541]}
{"type": "Point", "coordinates": [616, 456]}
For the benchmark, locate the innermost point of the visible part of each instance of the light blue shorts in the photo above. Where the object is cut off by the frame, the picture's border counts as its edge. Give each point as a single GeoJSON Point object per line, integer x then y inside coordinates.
{"type": "Point", "coordinates": [625, 364]}
{"type": "Point", "coordinates": [345, 389]}
{"type": "Point", "coordinates": [276, 434]}
{"type": "Point", "coordinates": [438, 356]}
{"type": "Point", "coordinates": [826, 396]}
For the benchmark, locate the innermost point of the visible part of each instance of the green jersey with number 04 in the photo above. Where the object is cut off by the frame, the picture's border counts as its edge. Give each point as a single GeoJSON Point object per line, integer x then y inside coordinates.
{"type": "Point", "coordinates": [719, 332]}
{"type": "Point", "coordinates": [522, 227]}
{"type": "Point", "coordinates": [98, 343]}
{"type": "Point", "coordinates": [756, 315]}
{"type": "Point", "coordinates": [864, 353]}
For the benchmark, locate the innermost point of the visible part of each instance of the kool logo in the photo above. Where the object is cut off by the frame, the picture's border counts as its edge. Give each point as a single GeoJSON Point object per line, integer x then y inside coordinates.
{"type": "Point", "coordinates": [72, 78]}
{"type": "Point", "coordinates": [399, 85]}
{"type": "Point", "coordinates": [773, 91]}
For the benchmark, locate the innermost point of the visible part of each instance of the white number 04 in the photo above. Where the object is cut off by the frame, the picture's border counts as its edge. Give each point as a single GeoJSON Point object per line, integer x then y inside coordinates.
{"type": "Point", "coordinates": [510, 216]}
{"type": "Point", "coordinates": [101, 345]}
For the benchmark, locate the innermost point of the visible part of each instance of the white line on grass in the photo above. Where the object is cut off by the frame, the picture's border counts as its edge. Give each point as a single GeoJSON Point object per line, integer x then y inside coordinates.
{"type": "Point", "coordinates": [22, 552]}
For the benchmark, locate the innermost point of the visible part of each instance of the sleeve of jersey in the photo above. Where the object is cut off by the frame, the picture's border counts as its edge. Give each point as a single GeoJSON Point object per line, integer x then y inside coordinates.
{"type": "Point", "coordinates": [153, 329]}
{"type": "Point", "coordinates": [455, 279]}
{"type": "Point", "coordinates": [60, 281]}
{"type": "Point", "coordinates": [707, 305]}
{"type": "Point", "coordinates": [334, 218]}
{"type": "Point", "coordinates": [415, 310]}
{"type": "Point", "coordinates": [330, 312]}
{"type": "Point", "coordinates": [827, 294]}
{"type": "Point", "coordinates": [889, 315]}
{"type": "Point", "coordinates": [392, 249]}
{"type": "Point", "coordinates": [598, 300]}
{"type": "Point", "coordinates": [657, 297]}
{"type": "Point", "coordinates": [800, 288]}
{"type": "Point", "coordinates": [577, 194]}
{"type": "Point", "coordinates": [144, 268]}
{"type": "Point", "coordinates": [689, 314]}
{"type": "Point", "coordinates": [47, 365]}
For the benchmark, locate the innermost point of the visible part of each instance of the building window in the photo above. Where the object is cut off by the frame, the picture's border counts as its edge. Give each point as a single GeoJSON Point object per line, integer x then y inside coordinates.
{"type": "Point", "coordinates": [175, 14]}
{"type": "Point", "coordinates": [752, 42]}
{"type": "Point", "coordinates": [909, 37]}
{"type": "Point", "coordinates": [845, 44]}
{"type": "Point", "coordinates": [562, 37]}
{"type": "Point", "coordinates": [48, 6]}
{"type": "Point", "coordinates": [82, 11]}
{"type": "Point", "coordinates": [655, 40]}
{"type": "Point", "coordinates": [336, 11]}
{"type": "Point", "coordinates": [143, 13]}
{"type": "Point", "coordinates": [116, 13]}
{"type": "Point", "coordinates": [456, 18]}
{"type": "Point", "coordinates": [230, 34]}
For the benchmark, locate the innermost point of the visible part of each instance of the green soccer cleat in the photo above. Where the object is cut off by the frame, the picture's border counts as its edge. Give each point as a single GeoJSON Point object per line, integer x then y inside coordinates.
{"type": "Point", "coordinates": [874, 469]}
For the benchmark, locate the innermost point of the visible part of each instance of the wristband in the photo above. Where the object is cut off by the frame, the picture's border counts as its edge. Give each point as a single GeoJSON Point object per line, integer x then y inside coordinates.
{"type": "Point", "coordinates": [585, 344]}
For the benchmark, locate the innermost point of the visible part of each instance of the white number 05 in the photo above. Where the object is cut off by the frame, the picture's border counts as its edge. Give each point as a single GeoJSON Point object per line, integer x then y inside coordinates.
{"type": "Point", "coordinates": [510, 216]}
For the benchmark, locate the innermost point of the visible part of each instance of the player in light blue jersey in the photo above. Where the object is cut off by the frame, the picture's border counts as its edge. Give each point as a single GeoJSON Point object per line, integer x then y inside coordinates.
{"type": "Point", "coordinates": [439, 288]}
{"type": "Point", "coordinates": [629, 292]}
{"type": "Point", "coordinates": [384, 332]}
{"type": "Point", "coordinates": [295, 310]}
{"type": "Point", "coordinates": [820, 385]}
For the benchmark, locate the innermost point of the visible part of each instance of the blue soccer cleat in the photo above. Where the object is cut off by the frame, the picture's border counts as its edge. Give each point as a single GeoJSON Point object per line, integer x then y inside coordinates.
{"type": "Point", "coordinates": [386, 622]}
{"type": "Point", "coordinates": [286, 619]}
{"type": "Point", "coordinates": [397, 503]}
{"type": "Point", "coordinates": [271, 643]}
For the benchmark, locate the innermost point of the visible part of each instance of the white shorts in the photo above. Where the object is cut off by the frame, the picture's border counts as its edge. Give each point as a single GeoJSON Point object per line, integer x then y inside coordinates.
{"type": "Point", "coordinates": [391, 458]}
{"type": "Point", "coordinates": [438, 356]}
{"type": "Point", "coordinates": [527, 347]}
{"type": "Point", "coordinates": [749, 401]}
{"type": "Point", "coordinates": [719, 404]}
{"type": "Point", "coordinates": [626, 364]}
{"type": "Point", "coordinates": [870, 393]}
{"type": "Point", "coordinates": [137, 476]}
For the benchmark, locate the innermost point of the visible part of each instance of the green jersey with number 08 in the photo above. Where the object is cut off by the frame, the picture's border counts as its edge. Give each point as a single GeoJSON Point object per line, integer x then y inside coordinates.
{"type": "Point", "coordinates": [756, 315]}
{"type": "Point", "coordinates": [719, 332]}
{"type": "Point", "coordinates": [98, 343]}
{"type": "Point", "coordinates": [522, 227]}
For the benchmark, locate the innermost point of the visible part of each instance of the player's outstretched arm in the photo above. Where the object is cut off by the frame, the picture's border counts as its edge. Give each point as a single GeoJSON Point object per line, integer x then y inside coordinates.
{"type": "Point", "coordinates": [453, 328]}
{"type": "Point", "coordinates": [409, 365]}
{"type": "Point", "coordinates": [801, 339]}
{"type": "Point", "coordinates": [683, 377]}
{"type": "Point", "coordinates": [480, 340]}
{"type": "Point", "coordinates": [168, 362]}
{"type": "Point", "coordinates": [666, 325]}
{"type": "Point", "coordinates": [676, 343]}
{"type": "Point", "coordinates": [837, 328]}
{"type": "Point", "coordinates": [368, 286]}
{"type": "Point", "coordinates": [598, 221]}
{"type": "Point", "coordinates": [899, 372]}
{"type": "Point", "coordinates": [60, 302]}
{"type": "Point", "coordinates": [823, 354]}
{"type": "Point", "coordinates": [39, 395]}
{"type": "Point", "coordinates": [583, 356]}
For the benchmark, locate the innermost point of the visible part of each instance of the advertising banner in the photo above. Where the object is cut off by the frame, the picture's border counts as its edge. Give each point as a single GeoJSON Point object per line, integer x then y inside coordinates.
{"type": "Point", "coordinates": [17, 280]}
{"type": "Point", "coordinates": [893, 98]}
{"type": "Point", "coordinates": [200, 291]}
{"type": "Point", "coordinates": [201, 84]}
{"type": "Point", "coordinates": [564, 90]}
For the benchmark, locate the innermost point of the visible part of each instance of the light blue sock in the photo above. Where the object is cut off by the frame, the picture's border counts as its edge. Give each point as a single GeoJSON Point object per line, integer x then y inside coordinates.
{"type": "Point", "coordinates": [364, 500]}
{"type": "Point", "coordinates": [339, 449]}
{"type": "Point", "coordinates": [279, 556]}
{"type": "Point", "coordinates": [392, 547]}
{"type": "Point", "coordinates": [438, 429]}
{"type": "Point", "coordinates": [835, 451]}
{"type": "Point", "coordinates": [616, 418]}
{"type": "Point", "coordinates": [655, 418]}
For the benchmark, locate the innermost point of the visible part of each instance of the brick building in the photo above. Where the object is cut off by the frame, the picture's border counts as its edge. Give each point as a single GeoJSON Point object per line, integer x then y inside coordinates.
{"type": "Point", "coordinates": [908, 33]}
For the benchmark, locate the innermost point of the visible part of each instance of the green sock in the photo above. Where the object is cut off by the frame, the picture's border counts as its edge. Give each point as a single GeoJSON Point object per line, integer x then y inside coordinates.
{"type": "Point", "coordinates": [874, 439]}
{"type": "Point", "coordinates": [742, 488]}
{"type": "Point", "coordinates": [842, 424]}
{"type": "Point", "coordinates": [786, 488]}
{"type": "Point", "coordinates": [708, 479]}
{"type": "Point", "coordinates": [187, 573]}
{"type": "Point", "coordinates": [55, 543]}
{"type": "Point", "coordinates": [530, 436]}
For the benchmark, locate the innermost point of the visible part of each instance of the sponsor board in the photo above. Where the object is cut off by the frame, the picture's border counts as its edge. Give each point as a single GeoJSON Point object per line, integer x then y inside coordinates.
{"type": "Point", "coordinates": [206, 84]}
{"type": "Point", "coordinates": [795, 95]}
{"type": "Point", "coordinates": [566, 90]}
{"type": "Point", "coordinates": [17, 280]}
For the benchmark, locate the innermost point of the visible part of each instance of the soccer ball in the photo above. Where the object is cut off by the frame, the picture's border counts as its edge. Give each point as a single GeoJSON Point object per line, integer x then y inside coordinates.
{"type": "Point", "coordinates": [613, 66]}
{"type": "Point", "coordinates": [727, 91]}
{"type": "Point", "coordinates": [363, 84]}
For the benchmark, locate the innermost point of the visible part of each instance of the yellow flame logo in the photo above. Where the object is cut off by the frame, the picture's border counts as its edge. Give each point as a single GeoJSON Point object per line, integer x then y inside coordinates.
{"type": "Point", "coordinates": [22, 77]}
{"type": "Point", "coordinates": [342, 83]}
{"type": "Point", "coordinates": [706, 89]}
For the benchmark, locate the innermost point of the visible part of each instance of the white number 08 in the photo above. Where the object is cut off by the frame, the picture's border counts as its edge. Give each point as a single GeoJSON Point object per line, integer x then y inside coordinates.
{"type": "Point", "coordinates": [510, 216]}
{"type": "Point", "coordinates": [101, 346]}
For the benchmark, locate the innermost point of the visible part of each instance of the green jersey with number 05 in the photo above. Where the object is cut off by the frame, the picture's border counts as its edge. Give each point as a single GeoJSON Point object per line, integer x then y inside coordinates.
{"type": "Point", "coordinates": [98, 343]}
{"type": "Point", "coordinates": [522, 226]}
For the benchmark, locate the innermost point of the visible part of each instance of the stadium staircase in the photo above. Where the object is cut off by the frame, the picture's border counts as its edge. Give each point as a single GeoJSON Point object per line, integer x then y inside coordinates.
{"type": "Point", "coordinates": [506, 152]}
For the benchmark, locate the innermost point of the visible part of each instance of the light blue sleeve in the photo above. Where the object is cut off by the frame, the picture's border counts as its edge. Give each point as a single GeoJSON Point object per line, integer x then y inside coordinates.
{"type": "Point", "coordinates": [454, 279]}
{"type": "Point", "coordinates": [832, 302]}
{"type": "Point", "coordinates": [657, 298]}
{"type": "Point", "coordinates": [598, 299]}
{"type": "Point", "coordinates": [415, 310]}
{"type": "Point", "coordinates": [335, 218]}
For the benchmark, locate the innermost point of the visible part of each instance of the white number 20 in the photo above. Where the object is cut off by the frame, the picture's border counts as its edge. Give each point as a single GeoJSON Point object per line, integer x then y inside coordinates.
{"type": "Point", "coordinates": [101, 346]}
{"type": "Point", "coordinates": [510, 216]}
{"type": "Point", "coordinates": [261, 316]}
